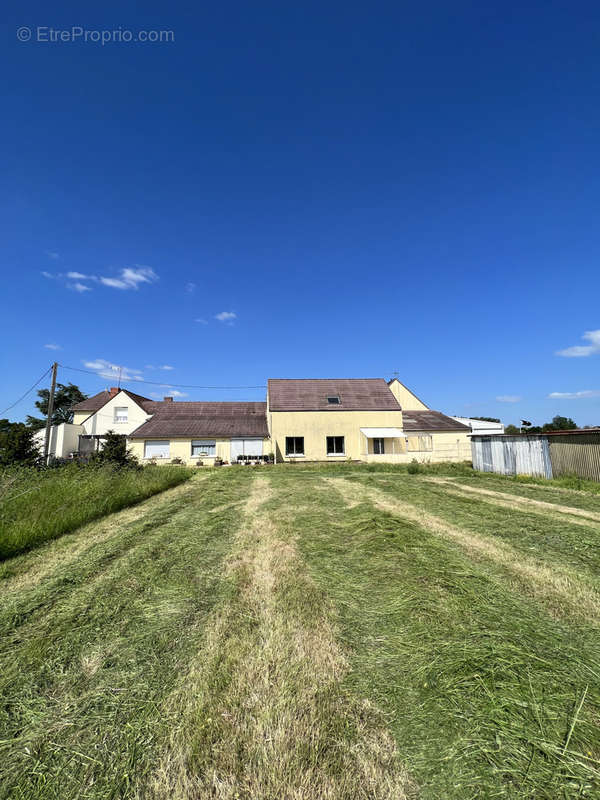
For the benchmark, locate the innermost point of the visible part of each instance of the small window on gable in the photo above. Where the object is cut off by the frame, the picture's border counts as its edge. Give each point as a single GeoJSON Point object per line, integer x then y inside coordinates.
{"type": "Point", "coordinates": [333, 400]}
{"type": "Point", "coordinates": [121, 414]}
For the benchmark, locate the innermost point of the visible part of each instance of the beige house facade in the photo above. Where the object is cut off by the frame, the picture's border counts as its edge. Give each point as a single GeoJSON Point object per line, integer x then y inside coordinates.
{"type": "Point", "coordinates": [302, 420]}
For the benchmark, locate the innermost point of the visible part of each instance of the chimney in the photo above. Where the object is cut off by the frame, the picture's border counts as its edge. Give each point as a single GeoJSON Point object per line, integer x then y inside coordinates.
{"type": "Point", "coordinates": [168, 399]}
{"type": "Point", "coordinates": [114, 390]}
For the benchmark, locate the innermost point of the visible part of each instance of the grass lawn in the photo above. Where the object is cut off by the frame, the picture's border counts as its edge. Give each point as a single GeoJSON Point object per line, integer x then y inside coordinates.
{"type": "Point", "coordinates": [301, 633]}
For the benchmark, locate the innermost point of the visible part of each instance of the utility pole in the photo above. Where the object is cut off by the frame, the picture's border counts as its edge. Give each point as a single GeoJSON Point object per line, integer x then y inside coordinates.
{"type": "Point", "coordinates": [50, 410]}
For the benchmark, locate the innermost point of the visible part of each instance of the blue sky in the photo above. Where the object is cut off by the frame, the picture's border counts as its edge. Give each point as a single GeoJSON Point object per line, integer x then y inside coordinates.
{"type": "Point", "coordinates": [333, 190]}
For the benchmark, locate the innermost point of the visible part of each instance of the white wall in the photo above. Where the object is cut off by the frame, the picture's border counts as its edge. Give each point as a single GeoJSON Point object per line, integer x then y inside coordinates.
{"type": "Point", "coordinates": [480, 426]}
{"type": "Point", "coordinates": [64, 439]}
{"type": "Point", "coordinates": [103, 420]}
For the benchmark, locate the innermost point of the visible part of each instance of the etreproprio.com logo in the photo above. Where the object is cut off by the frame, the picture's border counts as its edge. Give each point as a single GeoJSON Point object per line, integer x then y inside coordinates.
{"type": "Point", "coordinates": [78, 34]}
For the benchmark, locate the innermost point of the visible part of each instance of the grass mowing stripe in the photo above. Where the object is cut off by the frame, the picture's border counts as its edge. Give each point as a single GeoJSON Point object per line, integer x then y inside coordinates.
{"type": "Point", "coordinates": [83, 687]}
{"type": "Point", "coordinates": [480, 690]}
{"type": "Point", "coordinates": [262, 712]}
{"type": "Point", "coordinates": [560, 590]}
{"type": "Point", "coordinates": [581, 516]}
{"type": "Point", "coordinates": [551, 539]}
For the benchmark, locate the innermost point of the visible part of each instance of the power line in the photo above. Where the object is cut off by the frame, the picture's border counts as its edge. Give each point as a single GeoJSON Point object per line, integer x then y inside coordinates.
{"type": "Point", "coordinates": [26, 393]}
{"type": "Point", "coordinates": [162, 383]}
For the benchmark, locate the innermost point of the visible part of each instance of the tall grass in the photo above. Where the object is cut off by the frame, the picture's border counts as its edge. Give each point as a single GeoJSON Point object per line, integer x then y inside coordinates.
{"type": "Point", "coordinates": [36, 506]}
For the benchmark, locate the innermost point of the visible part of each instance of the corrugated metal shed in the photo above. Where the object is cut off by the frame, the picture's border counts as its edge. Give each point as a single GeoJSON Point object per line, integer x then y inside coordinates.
{"type": "Point", "coordinates": [512, 455]}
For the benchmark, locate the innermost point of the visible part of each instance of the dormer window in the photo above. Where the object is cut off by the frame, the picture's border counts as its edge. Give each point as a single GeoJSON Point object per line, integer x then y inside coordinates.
{"type": "Point", "coordinates": [333, 400]}
{"type": "Point", "coordinates": [121, 414]}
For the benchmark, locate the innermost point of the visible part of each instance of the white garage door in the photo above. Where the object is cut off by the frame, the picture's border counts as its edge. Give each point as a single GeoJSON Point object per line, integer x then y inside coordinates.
{"type": "Point", "coordinates": [246, 447]}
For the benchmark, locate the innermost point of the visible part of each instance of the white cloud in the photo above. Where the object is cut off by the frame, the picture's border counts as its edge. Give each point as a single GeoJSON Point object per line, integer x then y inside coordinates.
{"type": "Point", "coordinates": [131, 278]}
{"type": "Point", "coordinates": [582, 350]}
{"type": "Point", "coordinates": [105, 369]}
{"type": "Point", "coordinates": [575, 395]}
{"type": "Point", "coordinates": [508, 398]}
{"type": "Point", "coordinates": [164, 366]}
{"type": "Point", "coordinates": [53, 255]}
{"type": "Point", "coordinates": [53, 347]}
{"type": "Point", "coordinates": [79, 276]}
{"type": "Point", "coordinates": [172, 393]}
{"type": "Point", "coordinates": [226, 316]}
{"type": "Point", "coordinates": [201, 321]}
{"type": "Point", "coordinates": [78, 287]}
{"type": "Point", "coordinates": [49, 275]}
{"type": "Point", "coordinates": [190, 287]}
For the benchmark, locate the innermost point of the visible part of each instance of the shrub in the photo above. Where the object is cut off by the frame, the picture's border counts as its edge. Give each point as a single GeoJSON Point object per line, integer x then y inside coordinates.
{"type": "Point", "coordinates": [414, 467]}
{"type": "Point", "coordinates": [115, 452]}
{"type": "Point", "coordinates": [176, 460]}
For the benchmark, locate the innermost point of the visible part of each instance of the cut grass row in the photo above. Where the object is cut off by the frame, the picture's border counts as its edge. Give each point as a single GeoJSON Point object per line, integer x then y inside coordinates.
{"type": "Point", "coordinates": [481, 685]}
{"type": "Point", "coordinates": [90, 655]}
{"type": "Point", "coordinates": [36, 506]}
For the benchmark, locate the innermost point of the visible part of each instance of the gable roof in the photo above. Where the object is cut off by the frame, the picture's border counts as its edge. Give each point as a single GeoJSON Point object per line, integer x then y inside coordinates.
{"type": "Point", "coordinates": [310, 394]}
{"type": "Point", "coordinates": [431, 421]}
{"type": "Point", "coordinates": [173, 419]}
{"type": "Point", "coordinates": [96, 402]}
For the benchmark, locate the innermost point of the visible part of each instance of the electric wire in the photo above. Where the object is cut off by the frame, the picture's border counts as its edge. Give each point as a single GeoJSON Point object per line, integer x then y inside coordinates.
{"type": "Point", "coordinates": [39, 380]}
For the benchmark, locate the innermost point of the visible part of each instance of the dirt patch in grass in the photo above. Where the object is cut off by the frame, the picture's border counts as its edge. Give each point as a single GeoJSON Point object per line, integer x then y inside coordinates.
{"type": "Point", "coordinates": [262, 713]}
{"type": "Point", "coordinates": [560, 591]}
{"type": "Point", "coordinates": [528, 503]}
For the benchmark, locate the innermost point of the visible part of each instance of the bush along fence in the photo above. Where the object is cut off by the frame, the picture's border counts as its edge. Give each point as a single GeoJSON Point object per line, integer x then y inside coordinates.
{"type": "Point", "coordinates": [547, 455]}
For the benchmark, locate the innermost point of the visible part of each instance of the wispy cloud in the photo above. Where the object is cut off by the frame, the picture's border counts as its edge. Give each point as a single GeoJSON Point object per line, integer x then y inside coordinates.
{"type": "Point", "coordinates": [575, 395]}
{"type": "Point", "coordinates": [164, 366]}
{"type": "Point", "coordinates": [582, 350]}
{"type": "Point", "coordinates": [79, 287]}
{"type": "Point", "coordinates": [508, 398]}
{"type": "Point", "coordinates": [128, 278]}
{"type": "Point", "coordinates": [53, 255]}
{"type": "Point", "coordinates": [106, 369]}
{"type": "Point", "coordinates": [226, 316]}
{"type": "Point", "coordinates": [131, 278]}
{"type": "Point", "coordinates": [190, 287]}
{"type": "Point", "coordinates": [172, 393]}
{"type": "Point", "coordinates": [53, 347]}
{"type": "Point", "coordinates": [201, 321]}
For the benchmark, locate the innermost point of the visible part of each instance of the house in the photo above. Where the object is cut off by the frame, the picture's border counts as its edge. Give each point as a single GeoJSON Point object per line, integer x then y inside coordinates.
{"type": "Point", "coordinates": [361, 419]}
{"type": "Point", "coordinates": [481, 427]}
{"type": "Point", "coordinates": [321, 419]}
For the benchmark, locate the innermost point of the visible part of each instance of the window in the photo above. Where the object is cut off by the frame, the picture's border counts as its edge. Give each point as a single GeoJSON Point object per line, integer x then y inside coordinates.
{"type": "Point", "coordinates": [204, 447]}
{"type": "Point", "coordinates": [423, 443]}
{"type": "Point", "coordinates": [120, 413]}
{"type": "Point", "coordinates": [334, 400]}
{"type": "Point", "coordinates": [335, 445]}
{"type": "Point", "coordinates": [379, 446]}
{"type": "Point", "coordinates": [156, 449]}
{"type": "Point", "coordinates": [294, 445]}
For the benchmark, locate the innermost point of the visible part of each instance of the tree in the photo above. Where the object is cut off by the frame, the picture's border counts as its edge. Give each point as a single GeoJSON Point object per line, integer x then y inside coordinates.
{"type": "Point", "coordinates": [17, 445]}
{"type": "Point", "coordinates": [511, 430]}
{"type": "Point", "coordinates": [115, 452]}
{"type": "Point", "coordinates": [65, 397]}
{"type": "Point", "coordinates": [487, 419]}
{"type": "Point", "coordinates": [559, 424]}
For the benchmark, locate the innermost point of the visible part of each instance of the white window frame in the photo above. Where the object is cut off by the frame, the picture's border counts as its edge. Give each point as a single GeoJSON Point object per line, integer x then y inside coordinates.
{"type": "Point", "coordinates": [424, 442]}
{"type": "Point", "coordinates": [294, 454]}
{"type": "Point", "coordinates": [120, 418]}
{"type": "Point", "coordinates": [207, 444]}
{"type": "Point", "coordinates": [329, 453]}
{"type": "Point", "coordinates": [157, 448]}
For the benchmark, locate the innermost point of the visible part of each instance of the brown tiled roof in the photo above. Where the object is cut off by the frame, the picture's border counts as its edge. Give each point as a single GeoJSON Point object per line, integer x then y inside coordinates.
{"type": "Point", "coordinates": [430, 421]}
{"type": "Point", "coordinates": [174, 419]}
{"type": "Point", "coordinates": [310, 394]}
{"type": "Point", "coordinates": [96, 402]}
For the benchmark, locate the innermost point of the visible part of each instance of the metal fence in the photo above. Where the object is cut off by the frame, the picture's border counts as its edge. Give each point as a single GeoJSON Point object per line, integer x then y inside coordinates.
{"type": "Point", "coordinates": [575, 454]}
{"type": "Point", "coordinates": [543, 456]}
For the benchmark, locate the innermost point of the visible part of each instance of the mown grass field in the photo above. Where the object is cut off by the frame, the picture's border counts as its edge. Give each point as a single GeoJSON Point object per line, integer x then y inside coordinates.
{"type": "Point", "coordinates": [299, 633]}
